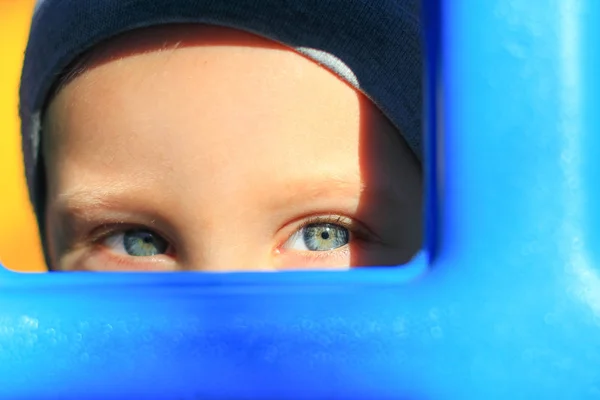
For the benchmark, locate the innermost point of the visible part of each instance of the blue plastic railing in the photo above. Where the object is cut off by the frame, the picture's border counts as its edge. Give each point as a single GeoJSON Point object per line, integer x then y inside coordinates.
{"type": "Point", "coordinates": [504, 302]}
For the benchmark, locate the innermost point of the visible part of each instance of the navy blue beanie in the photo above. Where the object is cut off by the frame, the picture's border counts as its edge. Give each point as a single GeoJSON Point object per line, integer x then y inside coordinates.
{"type": "Point", "coordinates": [374, 45]}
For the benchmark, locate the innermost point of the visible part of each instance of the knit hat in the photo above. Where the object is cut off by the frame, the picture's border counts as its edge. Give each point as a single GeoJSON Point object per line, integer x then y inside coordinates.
{"type": "Point", "coordinates": [374, 45]}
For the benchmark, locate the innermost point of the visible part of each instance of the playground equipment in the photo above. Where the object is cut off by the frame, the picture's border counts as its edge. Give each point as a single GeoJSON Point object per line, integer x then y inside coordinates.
{"type": "Point", "coordinates": [503, 302]}
{"type": "Point", "coordinates": [19, 245]}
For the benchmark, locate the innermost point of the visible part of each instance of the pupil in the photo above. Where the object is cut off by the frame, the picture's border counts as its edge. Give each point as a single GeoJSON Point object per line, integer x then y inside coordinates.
{"type": "Point", "coordinates": [142, 243]}
{"type": "Point", "coordinates": [324, 236]}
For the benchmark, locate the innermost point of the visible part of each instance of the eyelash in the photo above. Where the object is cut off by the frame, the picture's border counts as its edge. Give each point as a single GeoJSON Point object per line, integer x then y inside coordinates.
{"type": "Point", "coordinates": [100, 234]}
{"type": "Point", "coordinates": [356, 230]}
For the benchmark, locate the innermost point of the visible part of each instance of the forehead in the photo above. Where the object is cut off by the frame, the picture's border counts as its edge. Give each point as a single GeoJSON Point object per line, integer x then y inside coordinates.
{"type": "Point", "coordinates": [160, 38]}
{"type": "Point", "coordinates": [211, 85]}
{"type": "Point", "coordinates": [197, 66]}
{"type": "Point", "coordinates": [209, 103]}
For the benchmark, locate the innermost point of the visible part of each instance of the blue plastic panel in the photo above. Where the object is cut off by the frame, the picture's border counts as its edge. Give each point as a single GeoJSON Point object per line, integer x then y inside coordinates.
{"type": "Point", "coordinates": [505, 303]}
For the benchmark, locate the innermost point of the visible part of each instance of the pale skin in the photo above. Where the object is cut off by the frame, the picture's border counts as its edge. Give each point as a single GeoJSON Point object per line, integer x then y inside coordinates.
{"type": "Point", "coordinates": [209, 149]}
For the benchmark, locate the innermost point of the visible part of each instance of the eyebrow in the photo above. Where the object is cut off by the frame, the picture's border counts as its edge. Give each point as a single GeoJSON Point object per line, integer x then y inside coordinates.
{"type": "Point", "coordinates": [334, 188]}
{"type": "Point", "coordinates": [81, 199]}
{"type": "Point", "coordinates": [86, 200]}
{"type": "Point", "coordinates": [319, 187]}
{"type": "Point", "coordinates": [105, 195]}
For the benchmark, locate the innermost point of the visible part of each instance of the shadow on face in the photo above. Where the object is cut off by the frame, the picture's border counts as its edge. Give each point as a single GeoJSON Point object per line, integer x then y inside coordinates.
{"type": "Point", "coordinates": [393, 192]}
{"type": "Point", "coordinates": [203, 148]}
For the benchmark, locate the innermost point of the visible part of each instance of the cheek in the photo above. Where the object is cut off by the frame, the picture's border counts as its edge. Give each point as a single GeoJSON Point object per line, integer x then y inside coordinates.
{"type": "Point", "coordinates": [53, 231]}
{"type": "Point", "coordinates": [340, 258]}
{"type": "Point", "coordinates": [296, 261]}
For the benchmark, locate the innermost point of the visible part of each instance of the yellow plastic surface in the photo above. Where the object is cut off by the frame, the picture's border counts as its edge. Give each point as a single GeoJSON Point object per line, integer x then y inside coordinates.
{"type": "Point", "coordinates": [19, 244]}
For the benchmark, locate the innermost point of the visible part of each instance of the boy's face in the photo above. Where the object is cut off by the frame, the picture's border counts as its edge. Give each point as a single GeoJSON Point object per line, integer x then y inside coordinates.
{"type": "Point", "coordinates": [203, 148]}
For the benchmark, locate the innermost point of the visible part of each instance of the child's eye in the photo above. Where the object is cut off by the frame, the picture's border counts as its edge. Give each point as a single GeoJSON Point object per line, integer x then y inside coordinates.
{"type": "Point", "coordinates": [137, 243]}
{"type": "Point", "coordinates": [319, 237]}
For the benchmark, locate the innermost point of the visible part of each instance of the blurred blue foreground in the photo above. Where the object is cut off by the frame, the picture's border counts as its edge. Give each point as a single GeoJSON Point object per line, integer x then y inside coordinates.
{"type": "Point", "coordinates": [504, 302]}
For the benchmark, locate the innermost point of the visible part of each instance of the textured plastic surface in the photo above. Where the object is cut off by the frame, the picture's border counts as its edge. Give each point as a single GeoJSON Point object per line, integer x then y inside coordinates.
{"type": "Point", "coordinates": [505, 303]}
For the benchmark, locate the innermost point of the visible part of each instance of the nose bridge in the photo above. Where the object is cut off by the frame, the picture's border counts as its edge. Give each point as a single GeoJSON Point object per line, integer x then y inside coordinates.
{"type": "Point", "coordinates": [222, 257]}
{"type": "Point", "coordinates": [227, 243]}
